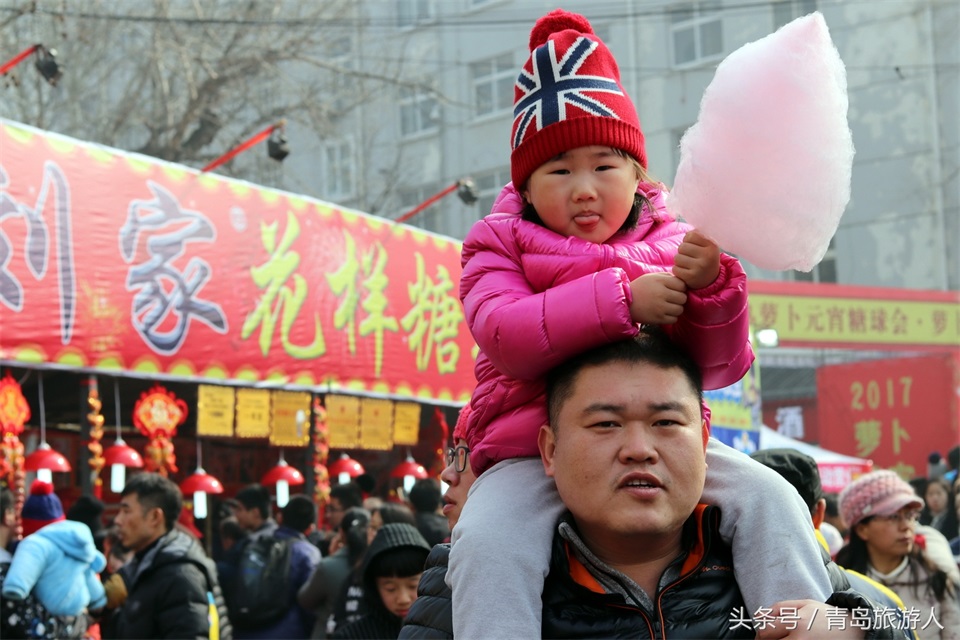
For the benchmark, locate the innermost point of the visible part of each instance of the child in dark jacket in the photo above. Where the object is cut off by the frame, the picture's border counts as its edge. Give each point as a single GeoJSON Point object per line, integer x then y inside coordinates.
{"type": "Point", "coordinates": [391, 573]}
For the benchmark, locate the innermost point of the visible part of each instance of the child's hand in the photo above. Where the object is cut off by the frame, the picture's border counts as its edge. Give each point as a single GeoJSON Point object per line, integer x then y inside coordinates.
{"type": "Point", "coordinates": [658, 298]}
{"type": "Point", "coordinates": [697, 262]}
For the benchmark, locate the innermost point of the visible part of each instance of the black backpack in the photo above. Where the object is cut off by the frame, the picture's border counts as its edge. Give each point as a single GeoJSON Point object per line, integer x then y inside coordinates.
{"type": "Point", "coordinates": [261, 593]}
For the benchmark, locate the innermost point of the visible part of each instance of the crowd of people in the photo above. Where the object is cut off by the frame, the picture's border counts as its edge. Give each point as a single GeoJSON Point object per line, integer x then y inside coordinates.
{"type": "Point", "coordinates": [585, 496]}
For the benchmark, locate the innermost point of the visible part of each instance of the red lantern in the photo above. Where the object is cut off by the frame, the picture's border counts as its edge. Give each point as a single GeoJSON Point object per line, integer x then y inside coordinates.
{"type": "Point", "coordinates": [198, 485]}
{"type": "Point", "coordinates": [45, 460]}
{"type": "Point", "coordinates": [345, 469]}
{"type": "Point", "coordinates": [118, 457]}
{"type": "Point", "coordinates": [283, 476]}
{"type": "Point", "coordinates": [411, 471]}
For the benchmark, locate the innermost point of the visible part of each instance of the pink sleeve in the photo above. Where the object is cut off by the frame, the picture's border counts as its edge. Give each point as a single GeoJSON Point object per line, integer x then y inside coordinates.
{"type": "Point", "coordinates": [525, 333]}
{"type": "Point", "coordinates": [715, 327]}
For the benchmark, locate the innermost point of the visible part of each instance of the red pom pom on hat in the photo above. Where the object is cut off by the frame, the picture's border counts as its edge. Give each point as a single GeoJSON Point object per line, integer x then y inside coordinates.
{"type": "Point", "coordinates": [41, 488]}
{"type": "Point", "coordinates": [554, 22]}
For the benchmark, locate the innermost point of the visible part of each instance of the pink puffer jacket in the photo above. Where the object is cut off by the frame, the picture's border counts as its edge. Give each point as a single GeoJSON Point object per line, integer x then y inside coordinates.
{"type": "Point", "coordinates": [534, 298]}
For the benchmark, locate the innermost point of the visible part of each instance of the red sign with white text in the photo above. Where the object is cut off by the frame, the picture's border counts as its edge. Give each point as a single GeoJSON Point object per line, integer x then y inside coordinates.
{"type": "Point", "coordinates": [118, 262]}
{"type": "Point", "coordinates": [895, 412]}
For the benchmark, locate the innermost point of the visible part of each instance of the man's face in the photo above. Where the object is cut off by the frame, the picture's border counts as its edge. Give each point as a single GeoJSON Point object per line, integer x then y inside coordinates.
{"type": "Point", "coordinates": [629, 454]}
{"type": "Point", "coordinates": [137, 525]}
{"type": "Point", "coordinates": [458, 483]}
{"type": "Point", "coordinates": [334, 513]}
{"type": "Point", "coordinates": [249, 519]}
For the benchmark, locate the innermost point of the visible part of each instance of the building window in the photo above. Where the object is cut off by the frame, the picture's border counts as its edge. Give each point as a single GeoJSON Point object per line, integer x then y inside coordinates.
{"type": "Point", "coordinates": [410, 198]}
{"type": "Point", "coordinates": [419, 111]}
{"type": "Point", "coordinates": [489, 186]}
{"type": "Point", "coordinates": [338, 170]}
{"type": "Point", "coordinates": [493, 81]}
{"type": "Point", "coordinates": [785, 11]}
{"type": "Point", "coordinates": [824, 271]}
{"type": "Point", "coordinates": [413, 12]}
{"type": "Point", "coordinates": [697, 32]}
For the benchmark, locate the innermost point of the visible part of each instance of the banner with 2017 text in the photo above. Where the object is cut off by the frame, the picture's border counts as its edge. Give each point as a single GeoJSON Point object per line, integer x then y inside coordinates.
{"type": "Point", "coordinates": [118, 262]}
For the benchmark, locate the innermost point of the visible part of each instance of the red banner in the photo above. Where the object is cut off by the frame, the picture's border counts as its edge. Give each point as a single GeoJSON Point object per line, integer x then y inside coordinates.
{"type": "Point", "coordinates": [895, 412]}
{"type": "Point", "coordinates": [114, 261]}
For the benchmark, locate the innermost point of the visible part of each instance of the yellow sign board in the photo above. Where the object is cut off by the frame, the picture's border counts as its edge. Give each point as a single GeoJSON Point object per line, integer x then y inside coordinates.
{"type": "Point", "coordinates": [343, 421]}
{"type": "Point", "coordinates": [856, 321]}
{"type": "Point", "coordinates": [215, 410]}
{"type": "Point", "coordinates": [376, 424]}
{"type": "Point", "coordinates": [253, 413]}
{"type": "Point", "coordinates": [406, 423]}
{"type": "Point", "coordinates": [290, 419]}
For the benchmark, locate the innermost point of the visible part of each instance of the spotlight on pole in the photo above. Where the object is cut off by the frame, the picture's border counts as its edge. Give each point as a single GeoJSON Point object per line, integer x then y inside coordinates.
{"type": "Point", "coordinates": [46, 63]}
{"type": "Point", "coordinates": [48, 66]}
{"type": "Point", "coordinates": [466, 190]}
{"type": "Point", "coordinates": [277, 147]}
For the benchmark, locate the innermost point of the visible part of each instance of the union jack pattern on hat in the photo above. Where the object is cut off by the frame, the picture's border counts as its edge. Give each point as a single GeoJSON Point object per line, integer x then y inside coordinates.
{"type": "Point", "coordinates": [569, 95]}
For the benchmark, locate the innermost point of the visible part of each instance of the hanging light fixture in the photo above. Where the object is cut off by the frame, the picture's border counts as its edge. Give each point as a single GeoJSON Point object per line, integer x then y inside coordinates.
{"type": "Point", "coordinates": [345, 469]}
{"type": "Point", "coordinates": [120, 455]}
{"type": "Point", "coordinates": [410, 470]}
{"type": "Point", "coordinates": [44, 460]}
{"type": "Point", "coordinates": [198, 485]}
{"type": "Point", "coordinates": [283, 476]}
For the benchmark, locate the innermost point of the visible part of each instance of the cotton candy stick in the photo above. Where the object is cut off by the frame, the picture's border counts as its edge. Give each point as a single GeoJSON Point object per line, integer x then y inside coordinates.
{"type": "Point", "coordinates": [765, 171]}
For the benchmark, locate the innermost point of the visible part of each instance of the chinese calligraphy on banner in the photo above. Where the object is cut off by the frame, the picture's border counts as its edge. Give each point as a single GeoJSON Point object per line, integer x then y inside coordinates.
{"type": "Point", "coordinates": [893, 411]}
{"type": "Point", "coordinates": [118, 261]}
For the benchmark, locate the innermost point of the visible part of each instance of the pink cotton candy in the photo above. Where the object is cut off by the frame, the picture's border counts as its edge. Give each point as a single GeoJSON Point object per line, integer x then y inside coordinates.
{"type": "Point", "coordinates": [765, 170]}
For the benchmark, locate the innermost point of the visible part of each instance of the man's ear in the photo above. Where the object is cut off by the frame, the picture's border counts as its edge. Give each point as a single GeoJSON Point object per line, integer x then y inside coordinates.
{"type": "Point", "coordinates": [547, 442]}
{"type": "Point", "coordinates": [156, 518]}
{"type": "Point", "coordinates": [819, 512]}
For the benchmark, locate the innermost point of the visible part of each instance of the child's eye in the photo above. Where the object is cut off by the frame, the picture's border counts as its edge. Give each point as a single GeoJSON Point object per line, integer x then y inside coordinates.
{"type": "Point", "coordinates": [560, 172]}
{"type": "Point", "coordinates": [605, 167]}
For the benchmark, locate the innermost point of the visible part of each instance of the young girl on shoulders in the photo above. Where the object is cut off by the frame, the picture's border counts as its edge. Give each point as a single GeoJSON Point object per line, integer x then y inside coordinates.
{"type": "Point", "coordinates": [579, 251]}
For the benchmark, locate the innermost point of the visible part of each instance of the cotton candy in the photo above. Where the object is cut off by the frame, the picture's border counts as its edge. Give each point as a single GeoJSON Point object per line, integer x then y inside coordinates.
{"type": "Point", "coordinates": [765, 171]}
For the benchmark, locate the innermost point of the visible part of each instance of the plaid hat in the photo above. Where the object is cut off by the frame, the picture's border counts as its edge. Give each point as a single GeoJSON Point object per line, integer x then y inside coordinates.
{"type": "Point", "coordinates": [878, 493]}
{"type": "Point", "coordinates": [797, 468]}
{"type": "Point", "coordinates": [569, 95]}
{"type": "Point", "coordinates": [40, 508]}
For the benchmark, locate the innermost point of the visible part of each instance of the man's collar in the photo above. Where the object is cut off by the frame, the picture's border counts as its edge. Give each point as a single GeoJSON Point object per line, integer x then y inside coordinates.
{"type": "Point", "coordinates": [594, 574]}
{"type": "Point", "coordinates": [139, 555]}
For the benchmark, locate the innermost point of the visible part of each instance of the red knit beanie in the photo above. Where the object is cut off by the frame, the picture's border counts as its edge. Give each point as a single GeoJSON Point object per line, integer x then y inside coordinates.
{"type": "Point", "coordinates": [40, 508]}
{"type": "Point", "coordinates": [878, 493]}
{"type": "Point", "coordinates": [569, 95]}
{"type": "Point", "coordinates": [460, 430]}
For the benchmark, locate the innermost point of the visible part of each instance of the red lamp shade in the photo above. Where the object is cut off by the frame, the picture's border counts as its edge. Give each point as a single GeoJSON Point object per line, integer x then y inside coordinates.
{"type": "Point", "coordinates": [122, 453]}
{"type": "Point", "coordinates": [45, 458]}
{"type": "Point", "coordinates": [345, 465]}
{"type": "Point", "coordinates": [409, 467]}
{"type": "Point", "coordinates": [200, 481]}
{"type": "Point", "coordinates": [282, 471]}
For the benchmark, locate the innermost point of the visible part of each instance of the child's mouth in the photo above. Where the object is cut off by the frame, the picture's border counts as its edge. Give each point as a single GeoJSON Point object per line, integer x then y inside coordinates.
{"type": "Point", "coordinates": [587, 219]}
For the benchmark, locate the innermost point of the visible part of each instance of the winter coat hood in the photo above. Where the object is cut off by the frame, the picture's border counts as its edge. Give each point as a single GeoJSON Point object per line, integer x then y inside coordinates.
{"type": "Point", "coordinates": [390, 537]}
{"type": "Point", "coordinates": [59, 563]}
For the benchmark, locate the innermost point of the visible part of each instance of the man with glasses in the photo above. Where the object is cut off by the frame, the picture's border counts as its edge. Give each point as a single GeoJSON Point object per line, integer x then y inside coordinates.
{"type": "Point", "coordinates": [342, 497]}
{"type": "Point", "coordinates": [433, 595]}
{"type": "Point", "coordinates": [172, 586]}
